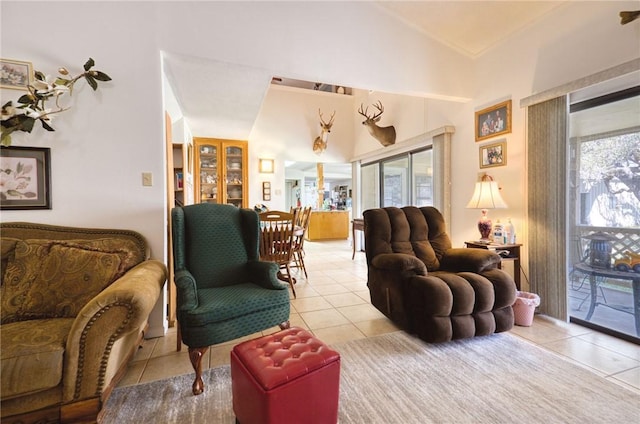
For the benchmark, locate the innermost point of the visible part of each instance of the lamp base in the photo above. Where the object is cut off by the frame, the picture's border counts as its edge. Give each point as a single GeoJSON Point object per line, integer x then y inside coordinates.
{"type": "Point", "coordinates": [484, 226]}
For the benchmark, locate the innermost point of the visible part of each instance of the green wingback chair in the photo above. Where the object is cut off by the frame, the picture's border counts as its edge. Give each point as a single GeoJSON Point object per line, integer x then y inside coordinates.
{"type": "Point", "coordinates": [223, 290]}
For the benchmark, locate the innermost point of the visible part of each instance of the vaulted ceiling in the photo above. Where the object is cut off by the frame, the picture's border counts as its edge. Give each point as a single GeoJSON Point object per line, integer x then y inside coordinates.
{"type": "Point", "coordinates": [469, 27]}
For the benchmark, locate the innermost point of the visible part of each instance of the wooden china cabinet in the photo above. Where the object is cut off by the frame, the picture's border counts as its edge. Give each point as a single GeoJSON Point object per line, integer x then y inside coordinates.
{"type": "Point", "coordinates": [221, 171]}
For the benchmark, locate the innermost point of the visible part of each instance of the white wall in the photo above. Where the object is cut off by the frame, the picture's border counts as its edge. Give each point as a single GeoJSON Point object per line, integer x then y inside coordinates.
{"type": "Point", "coordinates": [285, 129]}
{"type": "Point", "coordinates": [108, 138]}
{"type": "Point", "coordinates": [583, 38]}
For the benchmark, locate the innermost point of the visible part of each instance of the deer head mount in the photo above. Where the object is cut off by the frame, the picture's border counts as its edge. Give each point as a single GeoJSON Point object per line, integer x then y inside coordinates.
{"type": "Point", "coordinates": [385, 135]}
{"type": "Point", "coordinates": [629, 16]}
{"type": "Point", "coordinates": [320, 143]}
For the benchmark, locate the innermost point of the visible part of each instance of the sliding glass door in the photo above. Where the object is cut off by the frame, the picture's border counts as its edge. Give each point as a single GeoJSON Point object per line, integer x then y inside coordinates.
{"type": "Point", "coordinates": [399, 181]}
{"type": "Point", "coordinates": [395, 182]}
{"type": "Point", "coordinates": [370, 176]}
{"type": "Point", "coordinates": [422, 178]}
{"type": "Point", "coordinates": [604, 213]}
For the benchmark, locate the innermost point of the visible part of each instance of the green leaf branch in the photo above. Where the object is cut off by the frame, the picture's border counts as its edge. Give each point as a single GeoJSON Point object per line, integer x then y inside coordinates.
{"type": "Point", "coordinates": [32, 106]}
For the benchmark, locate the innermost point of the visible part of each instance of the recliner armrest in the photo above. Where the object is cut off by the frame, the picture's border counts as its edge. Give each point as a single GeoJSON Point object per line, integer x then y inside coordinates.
{"type": "Point", "coordinates": [469, 260]}
{"type": "Point", "coordinates": [400, 262]}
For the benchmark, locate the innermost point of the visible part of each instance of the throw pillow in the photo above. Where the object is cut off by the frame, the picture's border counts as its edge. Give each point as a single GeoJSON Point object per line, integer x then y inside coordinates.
{"type": "Point", "coordinates": [47, 279]}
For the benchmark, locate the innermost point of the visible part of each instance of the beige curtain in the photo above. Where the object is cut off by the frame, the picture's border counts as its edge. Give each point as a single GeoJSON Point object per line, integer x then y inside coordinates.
{"type": "Point", "coordinates": [547, 182]}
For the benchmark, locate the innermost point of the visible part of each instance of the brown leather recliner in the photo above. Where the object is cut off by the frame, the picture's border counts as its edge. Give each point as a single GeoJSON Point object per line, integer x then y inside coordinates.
{"type": "Point", "coordinates": [427, 287]}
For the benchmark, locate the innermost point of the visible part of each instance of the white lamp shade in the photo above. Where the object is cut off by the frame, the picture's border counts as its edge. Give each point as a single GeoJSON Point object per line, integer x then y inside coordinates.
{"type": "Point", "coordinates": [486, 196]}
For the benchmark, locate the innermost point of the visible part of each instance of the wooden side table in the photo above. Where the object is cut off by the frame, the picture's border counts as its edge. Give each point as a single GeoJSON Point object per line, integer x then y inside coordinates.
{"type": "Point", "coordinates": [513, 254]}
{"type": "Point", "coordinates": [357, 224]}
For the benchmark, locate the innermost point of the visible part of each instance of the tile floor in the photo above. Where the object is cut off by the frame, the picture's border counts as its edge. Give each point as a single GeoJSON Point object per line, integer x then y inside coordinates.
{"type": "Point", "coordinates": [334, 304]}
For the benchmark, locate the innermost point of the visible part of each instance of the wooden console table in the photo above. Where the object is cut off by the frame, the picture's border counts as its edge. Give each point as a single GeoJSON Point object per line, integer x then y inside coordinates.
{"type": "Point", "coordinates": [357, 224]}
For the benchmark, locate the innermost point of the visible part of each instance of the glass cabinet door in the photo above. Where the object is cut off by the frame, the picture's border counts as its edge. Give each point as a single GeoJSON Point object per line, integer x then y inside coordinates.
{"type": "Point", "coordinates": [234, 180]}
{"type": "Point", "coordinates": [221, 171]}
{"type": "Point", "coordinates": [208, 157]}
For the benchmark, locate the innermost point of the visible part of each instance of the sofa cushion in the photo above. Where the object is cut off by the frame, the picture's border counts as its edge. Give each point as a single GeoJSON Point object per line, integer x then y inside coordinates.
{"type": "Point", "coordinates": [7, 247]}
{"type": "Point", "coordinates": [32, 354]}
{"type": "Point", "coordinates": [50, 279]}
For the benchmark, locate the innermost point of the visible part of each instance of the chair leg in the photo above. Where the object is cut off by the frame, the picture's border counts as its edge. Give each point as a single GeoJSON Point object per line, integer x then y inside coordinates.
{"type": "Point", "coordinates": [300, 256]}
{"type": "Point", "coordinates": [291, 280]}
{"type": "Point", "coordinates": [285, 325]}
{"type": "Point", "coordinates": [178, 338]}
{"type": "Point", "coordinates": [195, 355]}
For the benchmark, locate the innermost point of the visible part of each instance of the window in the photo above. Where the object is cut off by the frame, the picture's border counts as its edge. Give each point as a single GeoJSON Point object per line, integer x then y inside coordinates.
{"type": "Point", "coordinates": [399, 181]}
{"type": "Point", "coordinates": [370, 186]}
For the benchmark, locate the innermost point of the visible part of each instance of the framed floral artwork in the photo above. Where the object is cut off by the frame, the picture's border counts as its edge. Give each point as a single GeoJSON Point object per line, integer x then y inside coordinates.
{"type": "Point", "coordinates": [25, 178]}
{"type": "Point", "coordinates": [493, 121]}
{"type": "Point", "coordinates": [15, 74]}
{"type": "Point", "coordinates": [494, 154]}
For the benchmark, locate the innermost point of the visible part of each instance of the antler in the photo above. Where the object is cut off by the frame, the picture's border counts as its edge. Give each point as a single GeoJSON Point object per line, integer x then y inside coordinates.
{"type": "Point", "coordinates": [374, 117]}
{"type": "Point", "coordinates": [363, 113]}
{"type": "Point", "coordinates": [330, 119]}
{"type": "Point", "coordinates": [380, 109]}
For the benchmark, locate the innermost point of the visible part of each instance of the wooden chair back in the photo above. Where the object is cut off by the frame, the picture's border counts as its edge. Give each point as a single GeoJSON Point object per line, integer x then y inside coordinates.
{"type": "Point", "coordinates": [303, 222]}
{"type": "Point", "coordinates": [277, 236]}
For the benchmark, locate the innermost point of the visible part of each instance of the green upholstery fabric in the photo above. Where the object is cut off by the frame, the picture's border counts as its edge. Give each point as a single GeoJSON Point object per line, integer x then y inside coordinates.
{"type": "Point", "coordinates": [223, 290]}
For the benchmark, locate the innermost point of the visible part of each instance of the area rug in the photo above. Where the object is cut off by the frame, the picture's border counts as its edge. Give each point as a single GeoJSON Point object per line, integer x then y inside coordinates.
{"type": "Point", "coordinates": [396, 378]}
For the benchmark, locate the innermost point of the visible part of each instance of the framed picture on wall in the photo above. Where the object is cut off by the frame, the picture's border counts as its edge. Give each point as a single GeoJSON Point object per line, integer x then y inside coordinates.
{"type": "Point", "coordinates": [26, 178]}
{"type": "Point", "coordinates": [266, 191]}
{"type": "Point", "coordinates": [493, 121]}
{"type": "Point", "coordinates": [15, 74]}
{"type": "Point", "coordinates": [494, 154]}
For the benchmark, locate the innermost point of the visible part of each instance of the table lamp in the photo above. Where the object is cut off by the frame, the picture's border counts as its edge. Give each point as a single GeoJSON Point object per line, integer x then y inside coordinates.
{"type": "Point", "coordinates": [486, 196]}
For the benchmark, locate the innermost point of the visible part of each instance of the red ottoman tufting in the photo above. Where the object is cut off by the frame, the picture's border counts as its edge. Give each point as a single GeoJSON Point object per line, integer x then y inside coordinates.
{"type": "Point", "coordinates": [286, 377]}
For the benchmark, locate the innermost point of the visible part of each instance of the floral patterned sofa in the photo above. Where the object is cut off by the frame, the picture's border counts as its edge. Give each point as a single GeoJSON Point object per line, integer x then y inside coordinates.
{"type": "Point", "coordinates": [74, 307]}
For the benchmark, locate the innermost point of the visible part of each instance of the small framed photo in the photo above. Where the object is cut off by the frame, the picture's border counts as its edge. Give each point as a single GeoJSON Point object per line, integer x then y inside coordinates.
{"type": "Point", "coordinates": [15, 74]}
{"type": "Point", "coordinates": [266, 190]}
{"type": "Point", "coordinates": [25, 178]}
{"type": "Point", "coordinates": [494, 154]}
{"type": "Point", "coordinates": [493, 121]}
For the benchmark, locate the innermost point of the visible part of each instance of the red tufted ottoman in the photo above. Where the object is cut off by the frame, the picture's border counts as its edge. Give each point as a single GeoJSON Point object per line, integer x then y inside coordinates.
{"type": "Point", "coordinates": [286, 377]}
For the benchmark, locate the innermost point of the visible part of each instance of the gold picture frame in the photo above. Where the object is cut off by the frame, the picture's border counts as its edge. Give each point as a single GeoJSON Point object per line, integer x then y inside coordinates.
{"type": "Point", "coordinates": [494, 154]}
{"type": "Point", "coordinates": [493, 121]}
{"type": "Point", "coordinates": [15, 74]}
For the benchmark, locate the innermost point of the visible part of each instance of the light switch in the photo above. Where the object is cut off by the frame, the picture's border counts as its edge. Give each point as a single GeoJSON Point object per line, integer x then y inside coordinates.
{"type": "Point", "coordinates": [147, 179]}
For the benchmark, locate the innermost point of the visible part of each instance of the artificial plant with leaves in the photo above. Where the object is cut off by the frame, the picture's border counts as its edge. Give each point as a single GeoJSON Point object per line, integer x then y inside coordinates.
{"type": "Point", "coordinates": [33, 106]}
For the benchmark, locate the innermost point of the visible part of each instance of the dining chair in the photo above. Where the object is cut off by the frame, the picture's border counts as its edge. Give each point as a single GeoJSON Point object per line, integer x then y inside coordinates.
{"type": "Point", "coordinates": [277, 237]}
{"type": "Point", "coordinates": [298, 243]}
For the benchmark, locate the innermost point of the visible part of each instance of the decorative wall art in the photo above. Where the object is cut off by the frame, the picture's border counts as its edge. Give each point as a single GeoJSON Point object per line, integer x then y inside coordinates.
{"type": "Point", "coordinates": [493, 121]}
{"type": "Point", "coordinates": [15, 74]}
{"type": "Point", "coordinates": [494, 154]}
{"type": "Point", "coordinates": [385, 135]}
{"type": "Point", "coordinates": [266, 191]}
{"type": "Point", "coordinates": [33, 106]}
{"type": "Point", "coordinates": [25, 178]}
